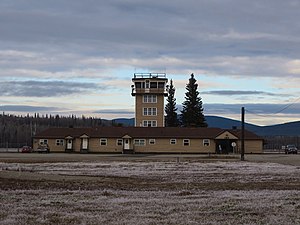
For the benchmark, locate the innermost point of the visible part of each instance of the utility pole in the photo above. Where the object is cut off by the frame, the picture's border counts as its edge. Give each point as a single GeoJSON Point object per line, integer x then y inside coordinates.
{"type": "Point", "coordinates": [243, 135]}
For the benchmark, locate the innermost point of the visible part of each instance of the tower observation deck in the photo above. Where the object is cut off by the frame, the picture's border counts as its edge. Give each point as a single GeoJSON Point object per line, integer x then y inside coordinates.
{"type": "Point", "coordinates": [149, 90]}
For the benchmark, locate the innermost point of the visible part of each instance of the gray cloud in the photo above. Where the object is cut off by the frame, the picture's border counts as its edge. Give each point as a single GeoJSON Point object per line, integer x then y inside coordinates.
{"type": "Point", "coordinates": [240, 92]}
{"type": "Point", "coordinates": [27, 108]}
{"type": "Point", "coordinates": [138, 29]}
{"type": "Point", "coordinates": [115, 111]}
{"type": "Point", "coordinates": [292, 108]}
{"type": "Point", "coordinates": [61, 40]}
{"type": "Point", "coordinates": [44, 88]}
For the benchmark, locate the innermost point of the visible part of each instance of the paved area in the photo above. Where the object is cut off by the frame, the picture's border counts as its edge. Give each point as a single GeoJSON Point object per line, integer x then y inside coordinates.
{"type": "Point", "coordinates": [291, 159]}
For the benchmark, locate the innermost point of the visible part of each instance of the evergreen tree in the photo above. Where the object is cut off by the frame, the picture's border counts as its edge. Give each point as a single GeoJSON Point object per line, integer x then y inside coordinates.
{"type": "Point", "coordinates": [192, 112]}
{"type": "Point", "coordinates": [170, 109]}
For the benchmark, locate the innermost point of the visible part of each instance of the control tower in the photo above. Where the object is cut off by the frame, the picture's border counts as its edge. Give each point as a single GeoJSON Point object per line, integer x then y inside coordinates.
{"type": "Point", "coordinates": [149, 90]}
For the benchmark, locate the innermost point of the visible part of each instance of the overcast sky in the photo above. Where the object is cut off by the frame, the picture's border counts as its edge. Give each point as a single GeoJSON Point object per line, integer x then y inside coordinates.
{"type": "Point", "coordinates": [78, 57]}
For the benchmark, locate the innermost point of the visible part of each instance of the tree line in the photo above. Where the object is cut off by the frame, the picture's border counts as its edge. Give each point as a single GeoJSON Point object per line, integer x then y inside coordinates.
{"type": "Point", "coordinates": [18, 130]}
{"type": "Point", "coordinates": [192, 111]}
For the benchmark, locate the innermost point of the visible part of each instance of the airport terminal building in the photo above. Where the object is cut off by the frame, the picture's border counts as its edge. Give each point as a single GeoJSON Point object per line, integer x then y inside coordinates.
{"type": "Point", "coordinates": [149, 135]}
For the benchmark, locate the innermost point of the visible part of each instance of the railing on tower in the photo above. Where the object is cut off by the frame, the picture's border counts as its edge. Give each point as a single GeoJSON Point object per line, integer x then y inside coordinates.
{"type": "Point", "coordinates": [149, 75]}
{"type": "Point", "coordinates": [154, 77]}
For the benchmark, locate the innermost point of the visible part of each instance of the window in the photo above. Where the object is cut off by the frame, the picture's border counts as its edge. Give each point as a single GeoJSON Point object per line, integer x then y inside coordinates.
{"type": "Point", "coordinates": [119, 142]}
{"type": "Point", "coordinates": [173, 141]}
{"type": "Point", "coordinates": [145, 111]}
{"type": "Point", "coordinates": [149, 111]}
{"type": "Point", "coordinates": [186, 142]}
{"type": "Point", "coordinates": [103, 141]}
{"type": "Point", "coordinates": [43, 141]}
{"type": "Point", "coordinates": [139, 142]}
{"type": "Point", "coordinates": [138, 85]}
{"type": "Point", "coordinates": [149, 99]}
{"type": "Point", "coordinates": [59, 142]}
{"type": "Point", "coordinates": [206, 142]}
{"type": "Point", "coordinates": [152, 141]}
{"type": "Point", "coordinates": [149, 123]}
{"type": "Point", "coordinates": [154, 112]}
{"type": "Point", "coordinates": [161, 84]}
{"type": "Point", "coordinates": [154, 98]}
{"type": "Point", "coordinates": [153, 84]}
{"type": "Point", "coordinates": [147, 83]}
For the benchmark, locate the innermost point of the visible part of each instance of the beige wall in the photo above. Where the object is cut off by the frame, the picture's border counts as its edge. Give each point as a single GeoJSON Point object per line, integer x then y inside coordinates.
{"type": "Point", "coordinates": [76, 144]}
{"type": "Point", "coordinates": [139, 105]}
{"type": "Point", "coordinates": [51, 144]}
{"type": "Point", "coordinates": [252, 146]}
{"type": "Point", "coordinates": [111, 145]}
{"type": "Point", "coordinates": [161, 145]}
{"type": "Point", "coordinates": [35, 143]}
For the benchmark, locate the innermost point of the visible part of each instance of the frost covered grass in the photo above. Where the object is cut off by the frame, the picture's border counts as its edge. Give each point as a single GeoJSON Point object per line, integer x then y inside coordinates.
{"type": "Point", "coordinates": [150, 193]}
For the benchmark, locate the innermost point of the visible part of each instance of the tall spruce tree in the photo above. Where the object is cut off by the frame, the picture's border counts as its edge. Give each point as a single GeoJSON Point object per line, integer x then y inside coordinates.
{"type": "Point", "coordinates": [170, 109]}
{"type": "Point", "coordinates": [192, 112]}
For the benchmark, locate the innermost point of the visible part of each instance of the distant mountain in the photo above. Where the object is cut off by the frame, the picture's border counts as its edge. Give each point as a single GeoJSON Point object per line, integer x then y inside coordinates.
{"type": "Point", "coordinates": [225, 123]}
{"type": "Point", "coordinates": [286, 129]}
{"type": "Point", "coordinates": [124, 121]}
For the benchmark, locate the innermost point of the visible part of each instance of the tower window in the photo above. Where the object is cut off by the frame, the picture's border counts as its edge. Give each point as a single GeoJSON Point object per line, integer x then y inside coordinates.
{"type": "Point", "coordinates": [161, 84]}
{"type": "Point", "coordinates": [149, 123]}
{"type": "Point", "coordinates": [149, 99]}
{"type": "Point", "coordinates": [138, 85]}
{"type": "Point", "coordinates": [145, 111]}
{"type": "Point", "coordinates": [153, 85]}
{"type": "Point", "coordinates": [149, 111]}
{"type": "Point", "coordinates": [147, 84]}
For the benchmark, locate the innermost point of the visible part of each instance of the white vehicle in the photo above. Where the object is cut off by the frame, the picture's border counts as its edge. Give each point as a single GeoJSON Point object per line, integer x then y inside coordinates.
{"type": "Point", "coordinates": [291, 149]}
{"type": "Point", "coordinates": [42, 148]}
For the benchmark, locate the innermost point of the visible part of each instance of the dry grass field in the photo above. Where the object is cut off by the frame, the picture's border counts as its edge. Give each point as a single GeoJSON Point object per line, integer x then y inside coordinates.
{"type": "Point", "coordinates": [49, 189]}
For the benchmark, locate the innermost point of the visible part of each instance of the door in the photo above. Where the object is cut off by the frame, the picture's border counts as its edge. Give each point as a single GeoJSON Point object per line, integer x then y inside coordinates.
{"type": "Point", "coordinates": [224, 146]}
{"type": "Point", "coordinates": [84, 143]}
{"type": "Point", "coordinates": [69, 144]}
{"type": "Point", "coordinates": [126, 144]}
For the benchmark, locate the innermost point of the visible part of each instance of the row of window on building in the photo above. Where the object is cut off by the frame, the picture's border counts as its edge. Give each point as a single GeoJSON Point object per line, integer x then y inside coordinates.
{"type": "Point", "coordinates": [148, 84]}
{"type": "Point", "coordinates": [149, 123]}
{"type": "Point", "coordinates": [150, 111]}
{"type": "Point", "coordinates": [149, 99]}
{"type": "Point", "coordinates": [136, 142]}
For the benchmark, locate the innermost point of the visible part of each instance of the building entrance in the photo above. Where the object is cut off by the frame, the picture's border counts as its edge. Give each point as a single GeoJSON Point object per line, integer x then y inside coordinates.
{"type": "Point", "coordinates": [126, 144]}
{"type": "Point", "coordinates": [225, 146]}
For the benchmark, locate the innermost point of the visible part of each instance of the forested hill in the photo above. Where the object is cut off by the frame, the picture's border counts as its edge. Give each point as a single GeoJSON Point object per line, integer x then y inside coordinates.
{"type": "Point", "coordinates": [16, 131]}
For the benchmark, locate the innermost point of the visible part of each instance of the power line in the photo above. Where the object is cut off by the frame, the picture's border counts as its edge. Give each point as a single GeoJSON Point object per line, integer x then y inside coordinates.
{"type": "Point", "coordinates": [276, 112]}
{"type": "Point", "coordinates": [251, 112]}
{"type": "Point", "coordinates": [287, 106]}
